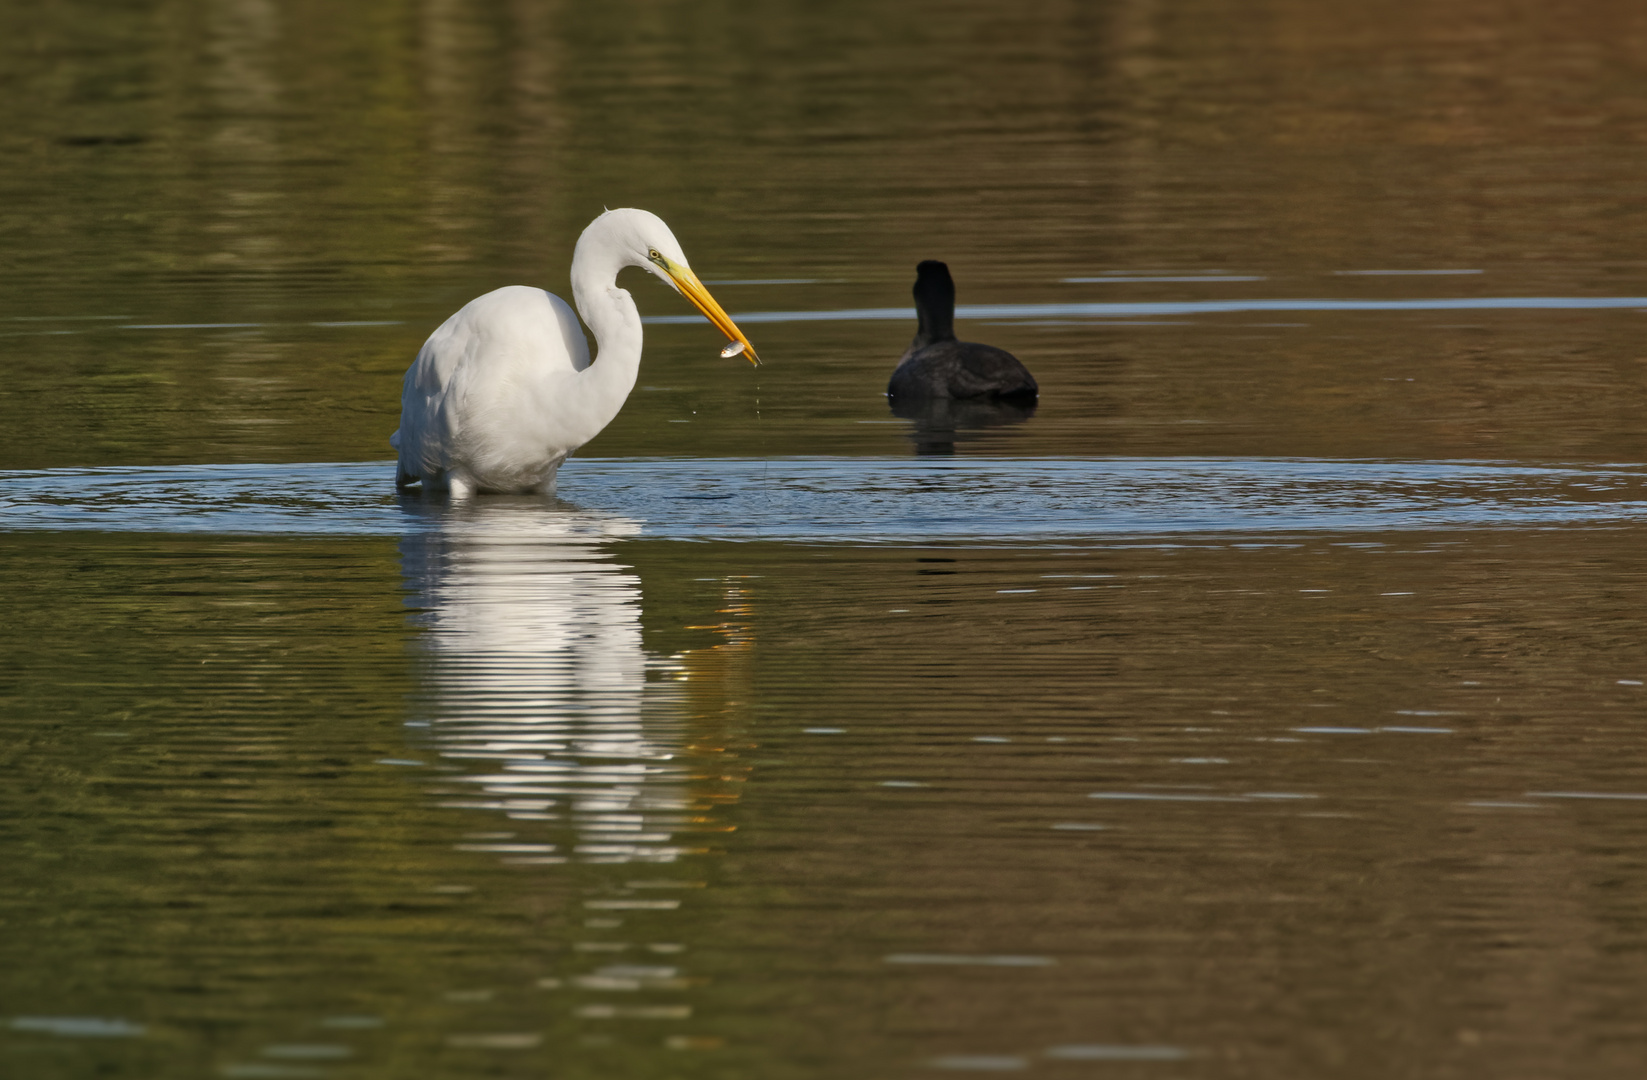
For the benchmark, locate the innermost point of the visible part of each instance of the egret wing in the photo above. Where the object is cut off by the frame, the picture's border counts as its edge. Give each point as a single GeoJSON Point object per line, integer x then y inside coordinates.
{"type": "Point", "coordinates": [476, 364]}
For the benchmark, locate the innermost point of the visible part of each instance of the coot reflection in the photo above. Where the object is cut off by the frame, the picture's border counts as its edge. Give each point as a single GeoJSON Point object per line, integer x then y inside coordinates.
{"type": "Point", "coordinates": [938, 367]}
{"type": "Point", "coordinates": [941, 422]}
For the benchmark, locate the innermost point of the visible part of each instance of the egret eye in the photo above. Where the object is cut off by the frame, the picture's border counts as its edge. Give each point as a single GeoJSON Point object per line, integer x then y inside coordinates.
{"type": "Point", "coordinates": [654, 256]}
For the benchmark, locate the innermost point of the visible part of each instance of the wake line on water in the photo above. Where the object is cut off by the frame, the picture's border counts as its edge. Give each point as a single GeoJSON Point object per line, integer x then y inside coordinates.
{"type": "Point", "coordinates": [1108, 310]}
{"type": "Point", "coordinates": [1185, 307]}
{"type": "Point", "coordinates": [856, 500]}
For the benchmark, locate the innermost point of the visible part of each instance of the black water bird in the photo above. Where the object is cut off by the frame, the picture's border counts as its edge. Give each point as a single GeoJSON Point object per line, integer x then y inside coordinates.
{"type": "Point", "coordinates": [937, 367]}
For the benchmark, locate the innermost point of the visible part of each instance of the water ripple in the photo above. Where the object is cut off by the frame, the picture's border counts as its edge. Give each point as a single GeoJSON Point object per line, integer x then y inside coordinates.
{"type": "Point", "coordinates": [846, 499]}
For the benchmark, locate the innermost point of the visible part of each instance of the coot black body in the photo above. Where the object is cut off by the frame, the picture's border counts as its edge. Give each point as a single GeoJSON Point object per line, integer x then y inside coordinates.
{"type": "Point", "coordinates": [937, 367]}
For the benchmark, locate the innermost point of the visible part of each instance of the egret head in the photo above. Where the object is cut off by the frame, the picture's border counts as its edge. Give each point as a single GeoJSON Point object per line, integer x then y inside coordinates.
{"type": "Point", "coordinates": [642, 239]}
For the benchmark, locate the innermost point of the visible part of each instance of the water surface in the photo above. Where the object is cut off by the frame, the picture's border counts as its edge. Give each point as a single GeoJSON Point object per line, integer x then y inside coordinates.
{"type": "Point", "coordinates": [1267, 702]}
{"type": "Point", "coordinates": [493, 800]}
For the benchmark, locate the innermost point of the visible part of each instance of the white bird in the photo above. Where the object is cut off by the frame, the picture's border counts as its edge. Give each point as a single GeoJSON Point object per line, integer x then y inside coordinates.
{"type": "Point", "coordinates": [505, 389]}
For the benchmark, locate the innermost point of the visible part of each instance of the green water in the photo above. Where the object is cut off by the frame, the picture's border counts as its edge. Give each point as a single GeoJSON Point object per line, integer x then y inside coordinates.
{"type": "Point", "coordinates": [474, 801]}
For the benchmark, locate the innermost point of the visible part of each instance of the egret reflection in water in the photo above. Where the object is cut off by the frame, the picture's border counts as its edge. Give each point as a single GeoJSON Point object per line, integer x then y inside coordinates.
{"type": "Point", "coordinates": [534, 678]}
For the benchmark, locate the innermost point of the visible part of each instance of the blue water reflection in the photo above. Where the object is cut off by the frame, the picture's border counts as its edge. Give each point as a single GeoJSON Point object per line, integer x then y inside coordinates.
{"type": "Point", "coordinates": [864, 500]}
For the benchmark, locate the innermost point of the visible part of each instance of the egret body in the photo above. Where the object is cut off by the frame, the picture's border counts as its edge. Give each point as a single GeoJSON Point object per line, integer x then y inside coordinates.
{"type": "Point", "coordinates": [505, 389]}
{"type": "Point", "coordinates": [938, 367]}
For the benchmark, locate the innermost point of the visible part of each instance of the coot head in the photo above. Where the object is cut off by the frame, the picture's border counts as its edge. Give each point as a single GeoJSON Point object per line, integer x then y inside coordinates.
{"type": "Point", "coordinates": [934, 302]}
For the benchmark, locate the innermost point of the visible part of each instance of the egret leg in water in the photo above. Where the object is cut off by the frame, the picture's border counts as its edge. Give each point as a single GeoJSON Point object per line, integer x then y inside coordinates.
{"type": "Point", "coordinates": [936, 366]}
{"type": "Point", "coordinates": [505, 389]}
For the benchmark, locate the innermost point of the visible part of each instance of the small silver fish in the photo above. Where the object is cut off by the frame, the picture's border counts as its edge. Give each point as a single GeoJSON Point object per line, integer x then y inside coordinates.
{"type": "Point", "coordinates": [732, 350]}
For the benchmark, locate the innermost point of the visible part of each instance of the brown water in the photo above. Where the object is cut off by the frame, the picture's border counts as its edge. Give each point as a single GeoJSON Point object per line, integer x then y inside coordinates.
{"type": "Point", "coordinates": [1269, 703]}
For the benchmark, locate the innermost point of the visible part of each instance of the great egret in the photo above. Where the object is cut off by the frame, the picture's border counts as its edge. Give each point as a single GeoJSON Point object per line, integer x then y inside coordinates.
{"type": "Point", "coordinates": [937, 366]}
{"type": "Point", "coordinates": [505, 389]}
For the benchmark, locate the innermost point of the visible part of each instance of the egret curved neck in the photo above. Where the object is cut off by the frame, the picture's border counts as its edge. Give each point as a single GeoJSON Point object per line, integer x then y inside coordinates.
{"type": "Point", "coordinates": [601, 388]}
{"type": "Point", "coordinates": [605, 248]}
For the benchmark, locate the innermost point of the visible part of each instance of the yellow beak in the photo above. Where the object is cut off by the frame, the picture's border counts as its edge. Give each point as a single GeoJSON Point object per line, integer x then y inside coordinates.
{"type": "Point", "coordinates": [691, 288]}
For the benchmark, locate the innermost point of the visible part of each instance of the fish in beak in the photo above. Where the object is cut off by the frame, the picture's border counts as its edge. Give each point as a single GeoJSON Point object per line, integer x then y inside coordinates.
{"type": "Point", "coordinates": [690, 287]}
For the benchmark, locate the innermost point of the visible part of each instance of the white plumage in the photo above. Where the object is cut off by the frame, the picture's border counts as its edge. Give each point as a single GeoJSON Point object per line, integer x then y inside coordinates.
{"type": "Point", "coordinates": [505, 389]}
